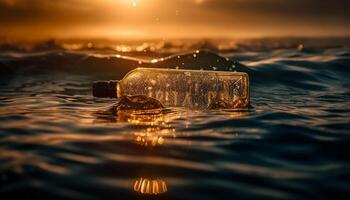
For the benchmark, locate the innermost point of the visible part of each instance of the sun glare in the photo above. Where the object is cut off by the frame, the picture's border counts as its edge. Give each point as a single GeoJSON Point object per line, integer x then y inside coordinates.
{"type": "Point", "coordinates": [199, 1]}
{"type": "Point", "coordinates": [133, 3]}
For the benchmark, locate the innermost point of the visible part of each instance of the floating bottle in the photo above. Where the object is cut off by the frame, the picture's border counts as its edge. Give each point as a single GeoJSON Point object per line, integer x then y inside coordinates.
{"type": "Point", "coordinates": [181, 88]}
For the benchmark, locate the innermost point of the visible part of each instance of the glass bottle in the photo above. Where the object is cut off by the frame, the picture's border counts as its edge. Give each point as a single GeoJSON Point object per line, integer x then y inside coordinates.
{"type": "Point", "coordinates": [182, 88]}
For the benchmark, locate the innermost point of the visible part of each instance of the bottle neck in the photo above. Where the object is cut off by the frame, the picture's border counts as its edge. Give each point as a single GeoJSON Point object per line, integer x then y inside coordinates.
{"type": "Point", "coordinates": [106, 89]}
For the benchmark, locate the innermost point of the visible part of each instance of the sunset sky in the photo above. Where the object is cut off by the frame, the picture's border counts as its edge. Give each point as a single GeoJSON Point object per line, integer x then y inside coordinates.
{"type": "Point", "coordinates": [135, 19]}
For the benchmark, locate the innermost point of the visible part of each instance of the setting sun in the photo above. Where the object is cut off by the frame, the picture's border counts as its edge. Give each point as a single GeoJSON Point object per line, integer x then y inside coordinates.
{"type": "Point", "coordinates": [133, 19]}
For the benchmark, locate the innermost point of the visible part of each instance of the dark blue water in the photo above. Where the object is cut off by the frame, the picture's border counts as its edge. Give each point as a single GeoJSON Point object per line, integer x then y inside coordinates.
{"type": "Point", "coordinates": [58, 142]}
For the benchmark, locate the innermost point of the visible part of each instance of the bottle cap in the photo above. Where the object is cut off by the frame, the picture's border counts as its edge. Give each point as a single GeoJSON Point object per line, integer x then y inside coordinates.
{"type": "Point", "coordinates": [104, 89]}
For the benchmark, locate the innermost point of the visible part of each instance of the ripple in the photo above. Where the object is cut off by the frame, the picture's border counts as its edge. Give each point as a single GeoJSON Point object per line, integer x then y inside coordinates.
{"type": "Point", "coordinates": [58, 142]}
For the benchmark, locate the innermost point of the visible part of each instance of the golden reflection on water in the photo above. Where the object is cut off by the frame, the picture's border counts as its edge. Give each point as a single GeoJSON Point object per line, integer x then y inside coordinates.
{"type": "Point", "coordinates": [153, 136]}
{"type": "Point", "coordinates": [233, 114]}
{"type": "Point", "coordinates": [156, 128]}
{"type": "Point", "coordinates": [157, 124]}
{"type": "Point", "coordinates": [150, 186]}
{"type": "Point", "coordinates": [148, 118]}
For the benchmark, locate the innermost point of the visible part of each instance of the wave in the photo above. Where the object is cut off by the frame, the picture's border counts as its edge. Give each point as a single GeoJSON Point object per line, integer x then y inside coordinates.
{"type": "Point", "coordinates": [94, 64]}
{"type": "Point", "coordinates": [293, 68]}
{"type": "Point", "coordinates": [58, 142]}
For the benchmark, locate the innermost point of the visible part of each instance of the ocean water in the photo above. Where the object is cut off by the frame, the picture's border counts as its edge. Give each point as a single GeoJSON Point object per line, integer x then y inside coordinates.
{"type": "Point", "coordinates": [59, 142]}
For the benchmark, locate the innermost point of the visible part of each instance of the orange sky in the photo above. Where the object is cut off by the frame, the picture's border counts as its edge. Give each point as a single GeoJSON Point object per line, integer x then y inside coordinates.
{"type": "Point", "coordinates": [141, 19]}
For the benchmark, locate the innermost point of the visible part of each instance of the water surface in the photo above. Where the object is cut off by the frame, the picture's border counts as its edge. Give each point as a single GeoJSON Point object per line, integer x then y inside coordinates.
{"type": "Point", "coordinates": [57, 141]}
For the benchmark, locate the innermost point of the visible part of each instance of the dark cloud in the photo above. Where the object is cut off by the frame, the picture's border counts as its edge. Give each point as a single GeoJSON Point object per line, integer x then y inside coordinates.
{"type": "Point", "coordinates": [14, 12]}
{"type": "Point", "coordinates": [287, 9]}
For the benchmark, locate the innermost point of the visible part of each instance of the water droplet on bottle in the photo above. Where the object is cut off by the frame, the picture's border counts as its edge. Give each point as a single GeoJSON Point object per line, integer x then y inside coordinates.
{"type": "Point", "coordinates": [189, 88]}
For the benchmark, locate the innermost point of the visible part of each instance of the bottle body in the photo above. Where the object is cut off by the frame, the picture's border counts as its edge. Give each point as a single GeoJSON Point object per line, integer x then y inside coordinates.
{"type": "Point", "coordinates": [188, 88]}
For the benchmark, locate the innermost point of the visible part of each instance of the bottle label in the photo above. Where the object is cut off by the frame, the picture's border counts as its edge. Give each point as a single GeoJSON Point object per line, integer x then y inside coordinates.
{"type": "Point", "coordinates": [193, 90]}
{"type": "Point", "coordinates": [229, 94]}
